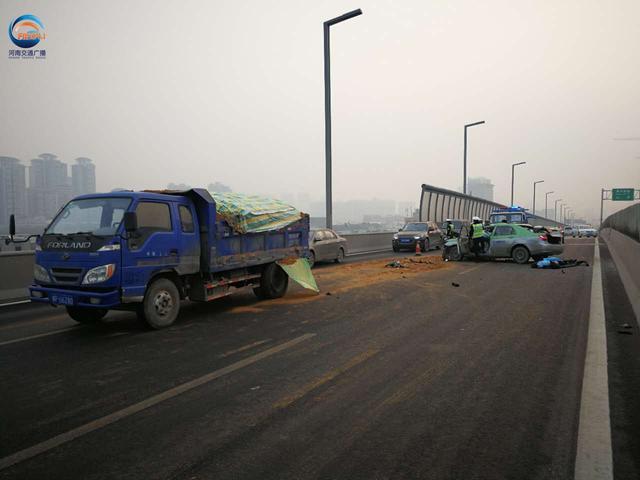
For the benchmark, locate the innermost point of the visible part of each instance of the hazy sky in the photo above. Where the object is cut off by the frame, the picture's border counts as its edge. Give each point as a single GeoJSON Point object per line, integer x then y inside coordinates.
{"type": "Point", "coordinates": [231, 91]}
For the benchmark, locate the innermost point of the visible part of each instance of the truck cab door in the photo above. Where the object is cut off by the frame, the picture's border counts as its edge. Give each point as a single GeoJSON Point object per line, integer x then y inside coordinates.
{"type": "Point", "coordinates": [152, 247]}
{"type": "Point", "coordinates": [189, 255]}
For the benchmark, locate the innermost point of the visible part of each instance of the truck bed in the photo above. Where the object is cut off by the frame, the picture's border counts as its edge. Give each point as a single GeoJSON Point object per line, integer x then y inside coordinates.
{"type": "Point", "coordinates": [230, 250]}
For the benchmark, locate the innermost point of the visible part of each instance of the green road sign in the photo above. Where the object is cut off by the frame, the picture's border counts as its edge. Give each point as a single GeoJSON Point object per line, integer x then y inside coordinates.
{"type": "Point", "coordinates": [622, 194]}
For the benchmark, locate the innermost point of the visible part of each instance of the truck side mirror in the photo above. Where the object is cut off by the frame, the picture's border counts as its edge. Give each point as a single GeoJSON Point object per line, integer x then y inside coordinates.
{"type": "Point", "coordinates": [130, 220]}
{"type": "Point", "coordinates": [12, 225]}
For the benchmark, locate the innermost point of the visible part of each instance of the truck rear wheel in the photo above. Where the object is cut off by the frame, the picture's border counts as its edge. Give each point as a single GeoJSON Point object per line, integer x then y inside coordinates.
{"type": "Point", "coordinates": [161, 304]}
{"type": "Point", "coordinates": [273, 283]}
{"type": "Point", "coordinates": [86, 315]}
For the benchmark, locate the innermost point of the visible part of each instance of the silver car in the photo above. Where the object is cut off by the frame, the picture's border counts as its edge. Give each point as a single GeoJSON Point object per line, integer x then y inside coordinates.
{"type": "Point", "coordinates": [585, 231]}
{"type": "Point", "coordinates": [326, 245]}
{"type": "Point", "coordinates": [521, 243]}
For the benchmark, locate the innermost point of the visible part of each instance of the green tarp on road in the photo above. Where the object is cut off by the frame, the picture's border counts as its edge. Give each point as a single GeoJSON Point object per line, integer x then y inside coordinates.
{"type": "Point", "coordinates": [300, 272]}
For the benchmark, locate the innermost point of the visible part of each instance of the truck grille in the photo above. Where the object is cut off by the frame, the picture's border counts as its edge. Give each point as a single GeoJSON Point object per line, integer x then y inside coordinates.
{"type": "Point", "coordinates": [66, 275]}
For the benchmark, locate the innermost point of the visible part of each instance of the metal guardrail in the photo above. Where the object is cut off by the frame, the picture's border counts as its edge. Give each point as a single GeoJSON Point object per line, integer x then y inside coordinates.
{"type": "Point", "coordinates": [625, 221]}
{"type": "Point", "coordinates": [437, 204]}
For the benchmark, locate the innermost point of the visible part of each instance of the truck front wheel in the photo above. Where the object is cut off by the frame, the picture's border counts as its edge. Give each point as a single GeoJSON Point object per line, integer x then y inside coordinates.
{"type": "Point", "coordinates": [273, 282]}
{"type": "Point", "coordinates": [161, 304]}
{"type": "Point", "coordinates": [86, 315]}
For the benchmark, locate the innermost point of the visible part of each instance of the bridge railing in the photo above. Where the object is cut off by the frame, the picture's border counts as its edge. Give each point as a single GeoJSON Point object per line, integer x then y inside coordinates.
{"type": "Point", "coordinates": [437, 204]}
{"type": "Point", "coordinates": [625, 221]}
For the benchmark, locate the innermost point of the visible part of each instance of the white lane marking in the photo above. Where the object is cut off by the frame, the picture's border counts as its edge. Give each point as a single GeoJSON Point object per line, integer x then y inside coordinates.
{"type": "Point", "coordinates": [471, 269]}
{"type": "Point", "coordinates": [40, 335]}
{"type": "Point", "coordinates": [20, 302]}
{"type": "Point", "coordinates": [63, 438]}
{"type": "Point", "coordinates": [593, 455]}
{"type": "Point", "coordinates": [242, 349]}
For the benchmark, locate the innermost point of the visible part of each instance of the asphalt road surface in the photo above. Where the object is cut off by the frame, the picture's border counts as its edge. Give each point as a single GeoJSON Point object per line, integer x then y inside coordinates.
{"type": "Point", "coordinates": [397, 374]}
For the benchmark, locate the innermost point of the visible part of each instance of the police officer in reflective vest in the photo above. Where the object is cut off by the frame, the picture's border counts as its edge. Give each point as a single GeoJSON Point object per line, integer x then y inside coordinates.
{"type": "Point", "coordinates": [477, 235]}
{"type": "Point", "coordinates": [451, 232]}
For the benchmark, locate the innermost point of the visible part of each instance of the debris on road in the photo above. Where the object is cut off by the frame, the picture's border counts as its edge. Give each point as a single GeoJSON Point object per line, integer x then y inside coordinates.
{"type": "Point", "coordinates": [558, 263]}
{"type": "Point", "coordinates": [626, 325]}
{"type": "Point", "coordinates": [395, 264]}
{"type": "Point", "coordinates": [455, 284]}
{"type": "Point", "coordinates": [349, 276]}
{"type": "Point", "coordinates": [299, 270]}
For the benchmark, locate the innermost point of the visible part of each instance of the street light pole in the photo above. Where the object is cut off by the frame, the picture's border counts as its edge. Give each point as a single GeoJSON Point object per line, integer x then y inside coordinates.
{"type": "Point", "coordinates": [555, 210]}
{"type": "Point", "coordinates": [464, 174]}
{"type": "Point", "coordinates": [534, 195]}
{"type": "Point", "coordinates": [327, 110]}
{"type": "Point", "coordinates": [546, 200]}
{"type": "Point", "coordinates": [513, 167]}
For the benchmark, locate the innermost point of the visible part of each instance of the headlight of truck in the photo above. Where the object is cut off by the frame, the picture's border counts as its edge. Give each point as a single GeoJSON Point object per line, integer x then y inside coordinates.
{"type": "Point", "coordinates": [40, 274]}
{"type": "Point", "coordinates": [99, 274]}
{"type": "Point", "coordinates": [417, 237]}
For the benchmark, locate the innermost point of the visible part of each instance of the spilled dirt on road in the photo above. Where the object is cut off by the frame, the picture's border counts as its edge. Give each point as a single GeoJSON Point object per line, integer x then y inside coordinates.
{"type": "Point", "coordinates": [339, 279]}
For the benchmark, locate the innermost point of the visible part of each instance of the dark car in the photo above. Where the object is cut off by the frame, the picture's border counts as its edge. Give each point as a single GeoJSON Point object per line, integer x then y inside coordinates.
{"type": "Point", "coordinates": [326, 245]}
{"type": "Point", "coordinates": [427, 234]}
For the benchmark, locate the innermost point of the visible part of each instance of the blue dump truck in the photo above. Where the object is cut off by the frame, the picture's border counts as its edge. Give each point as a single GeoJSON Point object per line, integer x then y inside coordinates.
{"type": "Point", "coordinates": [145, 251]}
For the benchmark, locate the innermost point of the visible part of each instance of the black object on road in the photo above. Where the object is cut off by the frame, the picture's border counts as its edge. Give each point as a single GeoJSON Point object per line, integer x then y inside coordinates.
{"type": "Point", "coordinates": [455, 284]}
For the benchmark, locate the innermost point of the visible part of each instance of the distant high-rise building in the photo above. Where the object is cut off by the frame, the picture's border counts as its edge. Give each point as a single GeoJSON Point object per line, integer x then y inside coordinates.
{"type": "Point", "coordinates": [83, 176]}
{"type": "Point", "coordinates": [13, 192]}
{"type": "Point", "coordinates": [480, 187]}
{"type": "Point", "coordinates": [49, 186]}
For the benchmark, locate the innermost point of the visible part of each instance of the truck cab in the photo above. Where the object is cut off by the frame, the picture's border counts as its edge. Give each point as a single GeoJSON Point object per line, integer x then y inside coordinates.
{"type": "Point", "coordinates": [509, 215]}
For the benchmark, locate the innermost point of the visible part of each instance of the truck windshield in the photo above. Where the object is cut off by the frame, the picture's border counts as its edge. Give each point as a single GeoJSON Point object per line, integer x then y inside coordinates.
{"type": "Point", "coordinates": [507, 218]}
{"type": "Point", "coordinates": [97, 216]}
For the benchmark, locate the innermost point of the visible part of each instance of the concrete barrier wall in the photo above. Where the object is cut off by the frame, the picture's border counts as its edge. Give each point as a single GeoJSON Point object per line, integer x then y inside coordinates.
{"type": "Point", "coordinates": [16, 274]}
{"type": "Point", "coordinates": [16, 268]}
{"type": "Point", "coordinates": [625, 252]}
{"type": "Point", "coordinates": [626, 221]}
{"type": "Point", "coordinates": [368, 242]}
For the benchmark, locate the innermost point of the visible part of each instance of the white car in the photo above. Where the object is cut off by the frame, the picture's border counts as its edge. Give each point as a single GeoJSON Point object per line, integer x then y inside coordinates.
{"type": "Point", "coordinates": [587, 231]}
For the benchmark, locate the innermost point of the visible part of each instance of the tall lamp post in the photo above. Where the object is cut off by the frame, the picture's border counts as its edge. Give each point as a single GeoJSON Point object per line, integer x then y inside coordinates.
{"type": "Point", "coordinates": [534, 195]}
{"type": "Point", "coordinates": [513, 167]}
{"type": "Point", "coordinates": [464, 174]}
{"type": "Point", "coordinates": [555, 210]}
{"type": "Point", "coordinates": [546, 200]}
{"type": "Point", "coordinates": [327, 109]}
